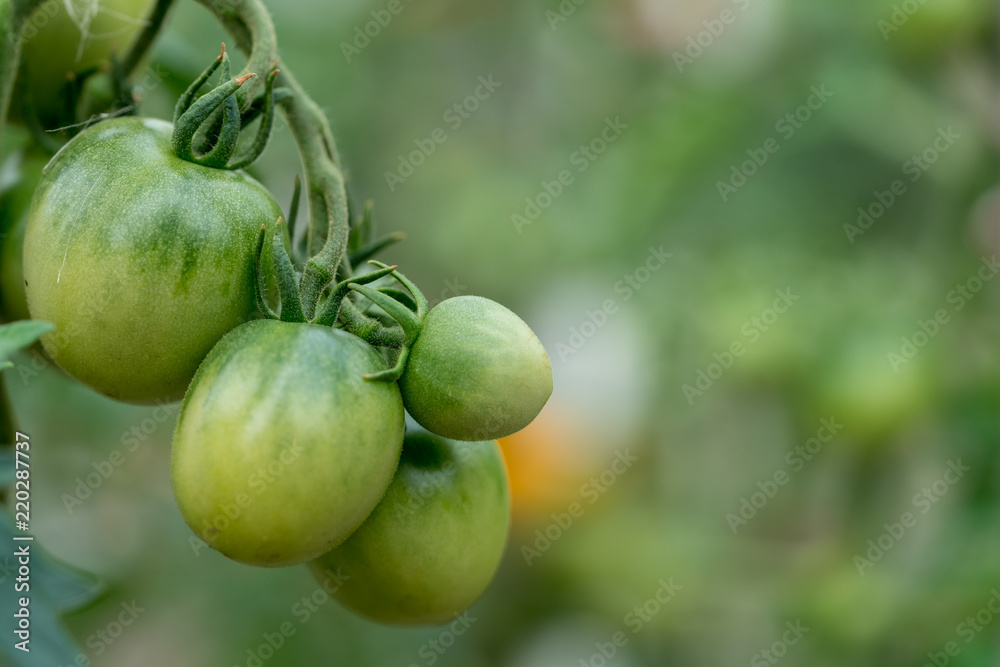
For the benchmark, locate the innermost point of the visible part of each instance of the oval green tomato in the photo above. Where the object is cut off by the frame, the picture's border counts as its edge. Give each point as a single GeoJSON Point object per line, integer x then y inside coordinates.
{"type": "Point", "coordinates": [476, 372]}
{"type": "Point", "coordinates": [282, 448]}
{"type": "Point", "coordinates": [433, 544]}
{"type": "Point", "coordinates": [143, 261]}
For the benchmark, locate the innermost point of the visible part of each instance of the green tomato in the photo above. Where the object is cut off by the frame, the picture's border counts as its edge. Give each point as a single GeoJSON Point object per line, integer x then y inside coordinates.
{"type": "Point", "coordinates": [282, 448]}
{"type": "Point", "coordinates": [433, 544]}
{"type": "Point", "coordinates": [13, 219]}
{"type": "Point", "coordinates": [143, 261]}
{"type": "Point", "coordinates": [476, 371]}
{"type": "Point", "coordinates": [64, 39]}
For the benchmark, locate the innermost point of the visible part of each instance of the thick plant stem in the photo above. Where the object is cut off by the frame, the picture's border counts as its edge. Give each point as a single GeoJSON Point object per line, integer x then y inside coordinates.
{"type": "Point", "coordinates": [250, 25]}
{"type": "Point", "coordinates": [142, 43]}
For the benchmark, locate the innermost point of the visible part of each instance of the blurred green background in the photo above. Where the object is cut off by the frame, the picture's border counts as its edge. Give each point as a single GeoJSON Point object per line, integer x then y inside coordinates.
{"type": "Point", "coordinates": [787, 379]}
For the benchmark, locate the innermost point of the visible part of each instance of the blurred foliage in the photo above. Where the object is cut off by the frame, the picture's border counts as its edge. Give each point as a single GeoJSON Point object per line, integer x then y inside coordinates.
{"type": "Point", "coordinates": [609, 539]}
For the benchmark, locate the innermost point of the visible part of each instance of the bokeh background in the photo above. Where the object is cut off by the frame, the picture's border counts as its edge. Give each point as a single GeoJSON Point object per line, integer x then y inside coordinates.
{"type": "Point", "coordinates": [786, 378]}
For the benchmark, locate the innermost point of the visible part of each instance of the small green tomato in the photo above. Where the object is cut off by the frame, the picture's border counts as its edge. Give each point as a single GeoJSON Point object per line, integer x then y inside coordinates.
{"type": "Point", "coordinates": [282, 448]}
{"type": "Point", "coordinates": [433, 544]}
{"type": "Point", "coordinates": [476, 371]}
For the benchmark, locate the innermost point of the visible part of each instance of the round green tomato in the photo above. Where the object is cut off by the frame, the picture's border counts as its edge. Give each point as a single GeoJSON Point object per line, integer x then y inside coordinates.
{"type": "Point", "coordinates": [282, 448]}
{"type": "Point", "coordinates": [143, 261]}
{"type": "Point", "coordinates": [13, 218]}
{"type": "Point", "coordinates": [476, 372]}
{"type": "Point", "coordinates": [433, 544]}
{"type": "Point", "coordinates": [64, 39]}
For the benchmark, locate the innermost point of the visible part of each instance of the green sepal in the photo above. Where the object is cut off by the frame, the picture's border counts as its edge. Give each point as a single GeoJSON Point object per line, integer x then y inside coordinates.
{"type": "Point", "coordinates": [362, 230]}
{"type": "Point", "coordinates": [369, 250]}
{"type": "Point", "coordinates": [418, 296]}
{"type": "Point", "coordinates": [369, 329]}
{"type": "Point", "coordinates": [298, 251]}
{"type": "Point", "coordinates": [185, 101]}
{"type": "Point", "coordinates": [400, 296]}
{"type": "Point", "coordinates": [264, 132]}
{"type": "Point", "coordinates": [260, 289]}
{"type": "Point", "coordinates": [228, 136]}
{"type": "Point", "coordinates": [331, 309]}
{"type": "Point", "coordinates": [394, 373]}
{"type": "Point", "coordinates": [288, 284]}
{"type": "Point", "coordinates": [191, 120]}
{"type": "Point", "coordinates": [406, 318]}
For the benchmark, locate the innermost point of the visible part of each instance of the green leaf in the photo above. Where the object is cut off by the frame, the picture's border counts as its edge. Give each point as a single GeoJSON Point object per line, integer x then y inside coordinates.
{"type": "Point", "coordinates": [54, 589]}
{"type": "Point", "coordinates": [18, 335]}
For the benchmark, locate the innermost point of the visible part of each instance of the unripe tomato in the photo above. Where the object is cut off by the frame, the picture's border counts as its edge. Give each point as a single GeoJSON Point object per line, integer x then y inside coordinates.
{"type": "Point", "coordinates": [476, 372]}
{"type": "Point", "coordinates": [59, 44]}
{"type": "Point", "coordinates": [282, 448]}
{"type": "Point", "coordinates": [13, 217]}
{"type": "Point", "coordinates": [143, 261]}
{"type": "Point", "coordinates": [433, 544]}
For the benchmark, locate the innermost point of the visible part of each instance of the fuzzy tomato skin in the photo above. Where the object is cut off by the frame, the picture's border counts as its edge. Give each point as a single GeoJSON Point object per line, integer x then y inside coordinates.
{"type": "Point", "coordinates": [143, 261]}
{"type": "Point", "coordinates": [282, 448]}
{"type": "Point", "coordinates": [476, 371]}
{"type": "Point", "coordinates": [433, 544]}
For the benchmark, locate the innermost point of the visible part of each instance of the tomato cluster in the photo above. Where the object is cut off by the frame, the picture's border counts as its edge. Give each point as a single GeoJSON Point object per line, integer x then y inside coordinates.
{"type": "Point", "coordinates": [168, 273]}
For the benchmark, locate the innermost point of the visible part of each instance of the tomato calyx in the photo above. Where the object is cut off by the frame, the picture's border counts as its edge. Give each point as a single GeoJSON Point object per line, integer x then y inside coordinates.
{"type": "Point", "coordinates": [207, 129]}
{"type": "Point", "coordinates": [409, 310]}
{"type": "Point", "coordinates": [337, 306]}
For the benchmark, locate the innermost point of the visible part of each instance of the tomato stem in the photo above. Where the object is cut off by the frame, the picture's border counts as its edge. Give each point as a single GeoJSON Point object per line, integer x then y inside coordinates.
{"type": "Point", "coordinates": [144, 41]}
{"type": "Point", "coordinates": [329, 224]}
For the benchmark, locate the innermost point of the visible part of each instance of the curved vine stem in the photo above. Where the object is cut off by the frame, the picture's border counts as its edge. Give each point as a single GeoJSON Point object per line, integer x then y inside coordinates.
{"type": "Point", "coordinates": [144, 41]}
{"type": "Point", "coordinates": [250, 25]}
